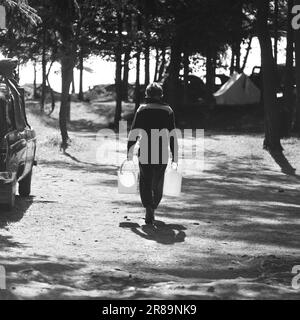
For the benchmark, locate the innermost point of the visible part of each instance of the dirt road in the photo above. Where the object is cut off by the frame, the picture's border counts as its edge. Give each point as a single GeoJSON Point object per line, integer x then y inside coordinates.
{"type": "Point", "coordinates": [234, 233]}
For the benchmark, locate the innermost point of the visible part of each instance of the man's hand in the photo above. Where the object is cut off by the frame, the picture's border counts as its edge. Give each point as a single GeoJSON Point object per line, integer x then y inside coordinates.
{"type": "Point", "coordinates": [174, 164]}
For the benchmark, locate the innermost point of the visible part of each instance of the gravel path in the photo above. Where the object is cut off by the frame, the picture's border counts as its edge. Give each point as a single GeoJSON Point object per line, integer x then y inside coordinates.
{"type": "Point", "coordinates": [234, 233]}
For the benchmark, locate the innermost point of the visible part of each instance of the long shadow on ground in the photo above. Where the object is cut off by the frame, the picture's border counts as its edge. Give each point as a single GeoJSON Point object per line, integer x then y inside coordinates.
{"type": "Point", "coordinates": [241, 204]}
{"type": "Point", "coordinates": [232, 203]}
{"type": "Point", "coordinates": [42, 277]}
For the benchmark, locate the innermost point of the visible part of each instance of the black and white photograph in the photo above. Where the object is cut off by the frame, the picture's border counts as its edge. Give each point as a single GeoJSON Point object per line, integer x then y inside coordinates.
{"type": "Point", "coordinates": [149, 152]}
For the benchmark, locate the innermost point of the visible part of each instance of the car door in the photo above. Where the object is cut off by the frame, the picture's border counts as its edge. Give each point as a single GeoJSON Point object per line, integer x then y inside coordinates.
{"type": "Point", "coordinates": [30, 136]}
{"type": "Point", "coordinates": [16, 139]}
{"type": "Point", "coordinates": [4, 127]}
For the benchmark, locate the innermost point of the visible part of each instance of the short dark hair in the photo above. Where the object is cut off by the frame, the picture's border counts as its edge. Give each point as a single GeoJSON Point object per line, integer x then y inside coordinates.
{"type": "Point", "coordinates": [154, 90]}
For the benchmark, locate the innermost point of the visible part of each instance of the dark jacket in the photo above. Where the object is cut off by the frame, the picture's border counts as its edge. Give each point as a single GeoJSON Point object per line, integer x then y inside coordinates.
{"type": "Point", "coordinates": [154, 128]}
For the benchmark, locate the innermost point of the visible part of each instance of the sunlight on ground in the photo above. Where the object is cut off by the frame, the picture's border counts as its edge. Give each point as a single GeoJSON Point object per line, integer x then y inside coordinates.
{"type": "Point", "coordinates": [233, 233]}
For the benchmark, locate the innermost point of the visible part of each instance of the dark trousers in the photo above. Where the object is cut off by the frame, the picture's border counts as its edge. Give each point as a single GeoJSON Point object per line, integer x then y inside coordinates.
{"type": "Point", "coordinates": [151, 184]}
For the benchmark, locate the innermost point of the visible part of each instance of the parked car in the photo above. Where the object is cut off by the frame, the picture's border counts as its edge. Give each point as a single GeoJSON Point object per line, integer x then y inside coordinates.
{"type": "Point", "coordinates": [256, 77]}
{"type": "Point", "coordinates": [17, 138]}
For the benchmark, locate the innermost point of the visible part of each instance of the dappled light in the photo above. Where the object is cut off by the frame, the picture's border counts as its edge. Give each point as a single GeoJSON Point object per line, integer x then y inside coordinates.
{"type": "Point", "coordinates": [233, 233]}
{"type": "Point", "coordinates": [149, 150]}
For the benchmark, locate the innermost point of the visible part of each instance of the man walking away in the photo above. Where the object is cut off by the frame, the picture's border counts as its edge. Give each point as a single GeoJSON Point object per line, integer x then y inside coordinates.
{"type": "Point", "coordinates": [154, 128]}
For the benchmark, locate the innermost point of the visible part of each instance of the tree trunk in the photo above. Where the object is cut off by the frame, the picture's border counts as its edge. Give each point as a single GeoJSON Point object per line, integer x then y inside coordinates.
{"type": "Point", "coordinates": [272, 136]}
{"type": "Point", "coordinates": [210, 70]}
{"type": "Point", "coordinates": [156, 65]}
{"type": "Point", "coordinates": [173, 88]}
{"type": "Point", "coordinates": [52, 97]}
{"type": "Point", "coordinates": [232, 63]}
{"type": "Point", "coordinates": [297, 49]}
{"type": "Point", "coordinates": [288, 91]}
{"type": "Point", "coordinates": [118, 80]}
{"type": "Point", "coordinates": [162, 65]}
{"type": "Point", "coordinates": [247, 54]}
{"type": "Point", "coordinates": [126, 75]}
{"type": "Point", "coordinates": [44, 72]}
{"type": "Point", "coordinates": [50, 89]}
{"type": "Point", "coordinates": [137, 81]}
{"type": "Point", "coordinates": [35, 95]}
{"type": "Point", "coordinates": [238, 12]}
{"type": "Point", "coordinates": [147, 51]}
{"type": "Point", "coordinates": [238, 57]}
{"type": "Point", "coordinates": [276, 34]}
{"type": "Point", "coordinates": [118, 83]}
{"type": "Point", "coordinates": [147, 64]}
{"type": "Point", "coordinates": [67, 66]}
{"type": "Point", "coordinates": [73, 83]}
{"type": "Point", "coordinates": [186, 77]}
{"type": "Point", "coordinates": [80, 94]}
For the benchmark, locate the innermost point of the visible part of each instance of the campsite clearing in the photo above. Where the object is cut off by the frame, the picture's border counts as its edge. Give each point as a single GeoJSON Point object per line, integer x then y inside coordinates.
{"type": "Point", "coordinates": [234, 233]}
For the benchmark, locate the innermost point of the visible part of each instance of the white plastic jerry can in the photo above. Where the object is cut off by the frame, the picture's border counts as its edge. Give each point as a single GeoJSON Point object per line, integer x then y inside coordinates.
{"type": "Point", "coordinates": [128, 178]}
{"type": "Point", "coordinates": [173, 182]}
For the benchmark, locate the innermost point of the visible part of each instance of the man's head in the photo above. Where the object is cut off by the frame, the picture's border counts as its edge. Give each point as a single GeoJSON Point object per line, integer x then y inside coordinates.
{"type": "Point", "coordinates": [154, 91]}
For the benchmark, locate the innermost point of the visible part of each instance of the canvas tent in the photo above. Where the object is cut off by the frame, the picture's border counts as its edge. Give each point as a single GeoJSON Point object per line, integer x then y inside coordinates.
{"type": "Point", "coordinates": [238, 90]}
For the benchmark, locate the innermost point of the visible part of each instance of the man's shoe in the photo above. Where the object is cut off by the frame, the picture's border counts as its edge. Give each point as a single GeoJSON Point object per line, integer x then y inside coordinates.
{"type": "Point", "coordinates": [149, 216]}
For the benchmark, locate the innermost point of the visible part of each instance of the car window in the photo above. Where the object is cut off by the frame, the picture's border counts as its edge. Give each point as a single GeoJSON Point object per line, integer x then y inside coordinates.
{"type": "Point", "coordinates": [23, 106]}
{"type": "Point", "coordinates": [6, 115]}
{"type": "Point", "coordinates": [19, 118]}
{"type": "Point", "coordinates": [10, 115]}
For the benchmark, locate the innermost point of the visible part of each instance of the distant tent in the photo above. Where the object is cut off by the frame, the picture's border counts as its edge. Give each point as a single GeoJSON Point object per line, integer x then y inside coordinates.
{"type": "Point", "coordinates": [238, 90]}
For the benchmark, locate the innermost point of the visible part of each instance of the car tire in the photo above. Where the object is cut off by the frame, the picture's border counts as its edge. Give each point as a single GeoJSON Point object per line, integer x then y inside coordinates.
{"type": "Point", "coordinates": [25, 185]}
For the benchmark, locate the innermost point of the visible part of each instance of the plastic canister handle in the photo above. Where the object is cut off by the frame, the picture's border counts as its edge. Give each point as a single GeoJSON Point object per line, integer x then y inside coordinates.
{"type": "Point", "coordinates": [123, 164]}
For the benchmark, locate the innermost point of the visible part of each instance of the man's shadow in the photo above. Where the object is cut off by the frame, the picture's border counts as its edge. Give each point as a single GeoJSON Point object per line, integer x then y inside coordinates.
{"type": "Point", "coordinates": [160, 232]}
